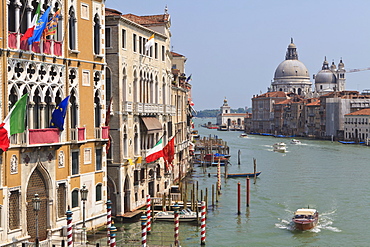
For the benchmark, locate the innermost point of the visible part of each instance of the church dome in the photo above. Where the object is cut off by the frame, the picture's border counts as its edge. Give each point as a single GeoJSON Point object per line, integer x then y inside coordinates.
{"type": "Point", "coordinates": [325, 76]}
{"type": "Point", "coordinates": [291, 69]}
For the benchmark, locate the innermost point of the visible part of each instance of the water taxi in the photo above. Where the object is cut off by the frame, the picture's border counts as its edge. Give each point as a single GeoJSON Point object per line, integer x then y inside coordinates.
{"type": "Point", "coordinates": [279, 147]}
{"type": "Point", "coordinates": [305, 219]}
{"type": "Point", "coordinates": [244, 135]}
{"type": "Point", "coordinates": [295, 141]}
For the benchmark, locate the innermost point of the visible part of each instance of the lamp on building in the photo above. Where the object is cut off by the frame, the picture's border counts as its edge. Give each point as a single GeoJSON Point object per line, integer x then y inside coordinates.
{"type": "Point", "coordinates": [36, 203]}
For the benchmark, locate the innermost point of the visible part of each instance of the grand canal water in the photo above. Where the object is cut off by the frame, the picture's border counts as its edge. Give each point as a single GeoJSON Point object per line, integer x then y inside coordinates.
{"type": "Point", "coordinates": [328, 176]}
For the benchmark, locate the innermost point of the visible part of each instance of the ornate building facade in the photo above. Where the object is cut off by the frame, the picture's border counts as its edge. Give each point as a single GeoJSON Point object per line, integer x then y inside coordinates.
{"type": "Point", "coordinates": [150, 102]}
{"type": "Point", "coordinates": [46, 161]}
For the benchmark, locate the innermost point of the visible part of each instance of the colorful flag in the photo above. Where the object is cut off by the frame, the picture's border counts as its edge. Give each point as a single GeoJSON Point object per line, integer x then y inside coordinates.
{"type": "Point", "coordinates": [189, 78]}
{"type": "Point", "coordinates": [155, 153]}
{"type": "Point", "coordinates": [13, 123]}
{"type": "Point", "coordinates": [150, 43]}
{"type": "Point", "coordinates": [169, 152]}
{"type": "Point", "coordinates": [59, 114]}
{"type": "Point", "coordinates": [51, 26]}
{"type": "Point", "coordinates": [39, 29]}
{"type": "Point", "coordinates": [32, 25]}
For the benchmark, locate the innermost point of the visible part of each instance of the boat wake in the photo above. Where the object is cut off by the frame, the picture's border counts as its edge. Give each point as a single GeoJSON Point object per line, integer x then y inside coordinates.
{"type": "Point", "coordinates": [325, 223]}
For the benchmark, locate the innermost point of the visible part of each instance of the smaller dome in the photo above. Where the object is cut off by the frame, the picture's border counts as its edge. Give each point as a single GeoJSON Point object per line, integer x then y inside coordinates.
{"type": "Point", "coordinates": [292, 45]}
{"type": "Point", "coordinates": [325, 76]}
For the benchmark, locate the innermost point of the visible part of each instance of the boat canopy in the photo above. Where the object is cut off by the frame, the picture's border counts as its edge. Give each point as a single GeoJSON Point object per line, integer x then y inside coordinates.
{"type": "Point", "coordinates": [305, 211]}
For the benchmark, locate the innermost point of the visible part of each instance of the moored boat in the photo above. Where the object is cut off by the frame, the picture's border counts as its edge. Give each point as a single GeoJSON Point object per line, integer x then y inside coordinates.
{"type": "Point", "coordinates": [184, 215]}
{"type": "Point", "coordinates": [305, 219]}
{"type": "Point", "coordinates": [236, 175]}
{"type": "Point", "coordinates": [279, 147]}
{"type": "Point", "coordinates": [295, 141]}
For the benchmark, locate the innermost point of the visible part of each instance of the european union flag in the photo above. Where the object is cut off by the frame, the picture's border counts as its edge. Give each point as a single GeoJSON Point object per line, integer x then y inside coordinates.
{"type": "Point", "coordinates": [59, 114]}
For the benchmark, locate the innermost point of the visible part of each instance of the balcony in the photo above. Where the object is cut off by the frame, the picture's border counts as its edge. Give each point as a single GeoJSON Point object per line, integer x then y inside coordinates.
{"type": "Point", "coordinates": [78, 134]}
{"type": "Point", "coordinates": [36, 137]}
{"type": "Point", "coordinates": [49, 47]}
{"type": "Point", "coordinates": [128, 106]}
{"type": "Point", "coordinates": [102, 132]}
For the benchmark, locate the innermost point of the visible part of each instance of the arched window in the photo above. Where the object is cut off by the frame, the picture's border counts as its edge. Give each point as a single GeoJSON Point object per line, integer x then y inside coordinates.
{"type": "Point", "coordinates": [72, 41]}
{"type": "Point", "coordinates": [97, 110]}
{"type": "Point", "coordinates": [74, 110]}
{"type": "Point", "coordinates": [96, 34]}
{"type": "Point", "coordinates": [36, 110]}
{"type": "Point", "coordinates": [108, 86]}
{"type": "Point", "coordinates": [98, 193]}
{"type": "Point", "coordinates": [75, 198]}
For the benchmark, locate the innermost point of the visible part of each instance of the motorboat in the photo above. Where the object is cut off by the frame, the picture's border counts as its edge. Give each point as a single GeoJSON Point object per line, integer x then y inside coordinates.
{"type": "Point", "coordinates": [184, 215]}
{"type": "Point", "coordinates": [279, 147]}
{"type": "Point", "coordinates": [295, 141]}
{"type": "Point", "coordinates": [237, 175]}
{"type": "Point", "coordinates": [244, 135]}
{"type": "Point", "coordinates": [305, 219]}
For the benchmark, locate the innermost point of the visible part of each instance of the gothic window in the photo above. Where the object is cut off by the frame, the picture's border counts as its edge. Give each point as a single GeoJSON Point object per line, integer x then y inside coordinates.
{"type": "Point", "coordinates": [72, 32]}
{"type": "Point", "coordinates": [136, 141]}
{"type": "Point", "coordinates": [125, 142]}
{"type": "Point", "coordinates": [96, 35]}
{"type": "Point", "coordinates": [36, 110]}
{"type": "Point", "coordinates": [62, 200]}
{"type": "Point", "coordinates": [73, 109]}
{"type": "Point", "coordinates": [97, 110]}
{"type": "Point", "coordinates": [108, 86]}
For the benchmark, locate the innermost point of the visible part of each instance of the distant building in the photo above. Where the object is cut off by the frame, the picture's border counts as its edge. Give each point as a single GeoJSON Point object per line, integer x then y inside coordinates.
{"type": "Point", "coordinates": [357, 125]}
{"type": "Point", "coordinates": [231, 120]}
{"type": "Point", "coordinates": [330, 79]}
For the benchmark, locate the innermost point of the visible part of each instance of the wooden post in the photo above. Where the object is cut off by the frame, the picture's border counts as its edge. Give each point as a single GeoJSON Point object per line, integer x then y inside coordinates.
{"type": "Point", "coordinates": [238, 197]}
{"type": "Point", "coordinates": [218, 177]}
{"type": "Point", "coordinates": [248, 192]}
{"type": "Point", "coordinates": [201, 195]}
{"type": "Point", "coordinates": [213, 195]}
{"type": "Point", "coordinates": [206, 198]}
{"type": "Point", "coordinates": [239, 157]}
{"type": "Point", "coordinates": [164, 202]}
{"type": "Point", "coordinates": [197, 192]}
{"type": "Point", "coordinates": [216, 195]}
{"type": "Point", "coordinates": [254, 168]}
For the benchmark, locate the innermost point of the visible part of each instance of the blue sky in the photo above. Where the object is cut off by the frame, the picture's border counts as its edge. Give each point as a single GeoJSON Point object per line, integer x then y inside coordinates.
{"type": "Point", "coordinates": [233, 47]}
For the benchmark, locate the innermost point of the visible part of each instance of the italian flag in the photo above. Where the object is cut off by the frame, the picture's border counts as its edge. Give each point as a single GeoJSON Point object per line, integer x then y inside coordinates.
{"type": "Point", "coordinates": [155, 153]}
{"type": "Point", "coordinates": [32, 25]}
{"type": "Point", "coordinates": [13, 123]}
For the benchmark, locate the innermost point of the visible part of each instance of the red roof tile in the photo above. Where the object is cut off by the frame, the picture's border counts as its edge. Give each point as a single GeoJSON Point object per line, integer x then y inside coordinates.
{"type": "Point", "coordinates": [272, 94]}
{"type": "Point", "coordinates": [148, 20]}
{"type": "Point", "coordinates": [362, 112]}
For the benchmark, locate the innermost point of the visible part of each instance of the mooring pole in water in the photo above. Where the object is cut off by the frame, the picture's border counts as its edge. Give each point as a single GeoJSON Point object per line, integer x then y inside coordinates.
{"type": "Point", "coordinates": [248, 191]}
{"type": "Point", "coordinates": [176, 221]}
{"type": "Point", "coordinates": [239, 157]}
{"type": "Point", "coordinates": [203, 224]}
{"type": "Point", "coordinates": [238, 197]}
{"type": "Point", "coordinates": [143, 220]}
{"type": "Point", "coordinates": [109, 219]}
{"type": "Point", "coordinates": [148, 215]}
{"type": "Point", "coordinates": [219, 177]}
{"type": "Point", "coordinates": [206, 198]}
{"type": "Point", "coordinates": [216, 196]}
{"type": "Point", "coordinates": [255, 170]}
{"type": "Point", "coordinates": [213, 195]}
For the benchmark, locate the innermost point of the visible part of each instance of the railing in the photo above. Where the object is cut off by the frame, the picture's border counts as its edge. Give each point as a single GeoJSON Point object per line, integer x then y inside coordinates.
{"type": "Point", "coordinates": [128, 106]}
{"type": "Point", "coordinates": [78, 134]}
